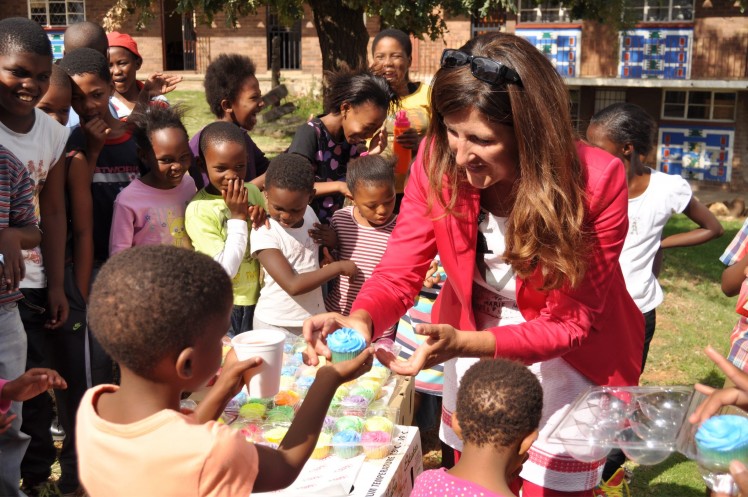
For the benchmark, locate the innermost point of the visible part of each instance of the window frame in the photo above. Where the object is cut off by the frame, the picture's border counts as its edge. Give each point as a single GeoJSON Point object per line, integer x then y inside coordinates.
{"type": "Point", "coordinates": [688, 104]}
{"type": "Point", "coordinates": [532, 6]}
{"type": "Point", "coordinates": [48, 14]}
{"type": "Point", "coordinates": [642, 12]}
{"type": "Point", "coordinates": [605, 97]}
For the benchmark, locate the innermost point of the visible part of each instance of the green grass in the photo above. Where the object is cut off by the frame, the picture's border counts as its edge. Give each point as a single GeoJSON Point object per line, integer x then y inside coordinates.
{"type": "Point", "coordinates": [694, 314]}
{"type": "Point", "coordinates": [272, 138]}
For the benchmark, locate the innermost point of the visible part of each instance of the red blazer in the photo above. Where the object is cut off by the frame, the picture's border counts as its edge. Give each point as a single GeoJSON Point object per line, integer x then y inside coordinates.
{"type": "Point", "coordinates": [596, 327]}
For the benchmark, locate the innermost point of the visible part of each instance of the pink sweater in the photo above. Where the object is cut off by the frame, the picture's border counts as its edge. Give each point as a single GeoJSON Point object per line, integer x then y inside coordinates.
{"type": "Point", "coordinates": [596, 327]}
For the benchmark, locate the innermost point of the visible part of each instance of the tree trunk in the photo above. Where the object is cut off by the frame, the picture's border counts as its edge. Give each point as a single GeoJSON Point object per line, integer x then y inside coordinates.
{"type": "Point", "coordinates": [343, 38]}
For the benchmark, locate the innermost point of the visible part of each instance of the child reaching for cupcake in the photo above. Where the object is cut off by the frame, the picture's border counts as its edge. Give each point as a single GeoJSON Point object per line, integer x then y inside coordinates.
{"type": "Point", "coordinates": [499, 404]}
{"type": "Point", "coordinates": [134, 439]}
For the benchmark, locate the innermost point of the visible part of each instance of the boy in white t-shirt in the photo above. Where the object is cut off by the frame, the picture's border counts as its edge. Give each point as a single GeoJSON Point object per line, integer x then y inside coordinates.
{"type": "Point", "coordinates": [293, 278]}
{"type": "Point", "coordinates": [38, 141]}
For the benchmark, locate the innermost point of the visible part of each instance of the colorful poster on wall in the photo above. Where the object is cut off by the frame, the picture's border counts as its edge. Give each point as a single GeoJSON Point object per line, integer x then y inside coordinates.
{"type": "Point", "coordinates": [561, 46]}
{"type": "Point", "coordinates": [656, 53]}
{"type": "Point", "coordinates": [696, 152]}
{"type": "Point", "coordinates": [56, 38]}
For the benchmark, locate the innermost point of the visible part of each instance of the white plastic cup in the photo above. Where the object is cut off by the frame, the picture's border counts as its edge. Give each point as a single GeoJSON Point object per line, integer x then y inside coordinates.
{"type": "Point", "coordinates": [267, 344]}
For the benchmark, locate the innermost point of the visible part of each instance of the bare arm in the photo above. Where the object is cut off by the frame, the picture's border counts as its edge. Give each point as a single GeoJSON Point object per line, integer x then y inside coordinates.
{"type": "Point", "coordinates": [331, 187]}
{"type": "Point", "coordinates": [294, 283]}
{"type": "Point", "coordinates": [12, 240]}
{"type": "Point", "coordinates": [733, 276]}
{"type": "Point", "coordinates": [54, 226]}
{"type": "Point", "coordinates": [81, 212]}
{"type": "Point", "coordinates": [709, 227]}
{"type": "Point", "coordinates": [279, 468]}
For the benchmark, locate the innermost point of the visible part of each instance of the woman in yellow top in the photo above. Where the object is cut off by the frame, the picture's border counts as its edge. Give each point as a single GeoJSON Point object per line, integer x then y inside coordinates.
{"type": "Point", "coordinates": [391, 52]}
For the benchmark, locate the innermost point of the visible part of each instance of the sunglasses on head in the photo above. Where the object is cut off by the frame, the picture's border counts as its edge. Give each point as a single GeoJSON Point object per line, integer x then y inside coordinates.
{"type": "Point", "coordinates": [482, 68]}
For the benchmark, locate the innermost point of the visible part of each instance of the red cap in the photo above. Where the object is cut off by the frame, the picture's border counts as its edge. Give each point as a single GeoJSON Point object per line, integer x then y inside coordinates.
{"type": "Point", "coordinates": [117, 39]}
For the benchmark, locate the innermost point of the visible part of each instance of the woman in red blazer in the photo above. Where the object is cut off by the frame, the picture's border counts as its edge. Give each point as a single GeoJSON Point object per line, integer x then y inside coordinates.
{"type": "Point", "coordinates": [528, 223]}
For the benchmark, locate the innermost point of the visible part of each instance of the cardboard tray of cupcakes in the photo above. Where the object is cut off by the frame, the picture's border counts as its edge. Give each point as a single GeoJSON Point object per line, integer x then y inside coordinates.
{"type": "Point", "coordinates": [648, 424]}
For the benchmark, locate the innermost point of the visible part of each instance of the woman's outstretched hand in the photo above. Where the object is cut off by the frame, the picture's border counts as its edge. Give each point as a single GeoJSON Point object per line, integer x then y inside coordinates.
{"type": "Point", "coordinates": [737, 395]}
{"type": "Point", "coordinates": [316, 329]}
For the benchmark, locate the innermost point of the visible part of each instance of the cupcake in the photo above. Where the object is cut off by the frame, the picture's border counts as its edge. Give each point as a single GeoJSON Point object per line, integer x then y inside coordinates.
{"type": "Point", "coordinates": [721, 439]}
{"type": "Point", "coordinates": [275, 435]}
{"type": "Point", "coordinates": [305, 382]}
{"type": "Point", "coordinates": [376, 444]}
{"type": "Point", "coordinates": [372, 385]}
{"type": "Point", "coordinates": [345, 344]}
{"type": "Point", "coordinates": [257, 400]}
{"type": "Point", "coordinates": [287, 382]}
{"type": "Point", "coordinates": [322, 449]}
{"type": "Point", "coordinates": [354, 405]}
{"type": "Point", "coordinates": [347, 444]}
{"type": "Point", "coordinates": [252, 411]}
{"type": "Point", "coordinates": [288, 371]}
{"type": "Point", "coordinates": [252, 433]}
{"type": "Point", "coordinates": [286, 398]}
{"type": "Point", "coordinates": [329, 422]}
{"type": "Point", "coordinates": [378, 423]}
{"type": "Point", "coordinates": [280, 414]}
{"type": "Point", "coordinates": [341, 392]}
{"type": "Point", "coordinates": [366, 393]}
{"type": "Point", "coordinates": [349, 423]}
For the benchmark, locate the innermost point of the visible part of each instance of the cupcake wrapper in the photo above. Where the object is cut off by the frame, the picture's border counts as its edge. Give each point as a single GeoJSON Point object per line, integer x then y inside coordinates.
{"type": "Point", "coordinates": [343, 356]}
{"type": "Point", "coordinates": [321, 452]}
{"type": "Point", "coordinates": [346, 452]}
{"type": "Point", "coordinates": [723, 458]}
{"type": "Point", "coordinates": [377, 452]}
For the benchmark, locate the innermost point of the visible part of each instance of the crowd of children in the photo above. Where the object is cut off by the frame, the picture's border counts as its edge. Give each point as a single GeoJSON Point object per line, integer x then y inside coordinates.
{"type": "Point", "coordinates": [248, 244]}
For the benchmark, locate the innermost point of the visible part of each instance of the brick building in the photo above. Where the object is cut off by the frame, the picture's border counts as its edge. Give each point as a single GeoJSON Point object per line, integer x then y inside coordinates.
{"type": "Point", "coordinates": [685, 61]}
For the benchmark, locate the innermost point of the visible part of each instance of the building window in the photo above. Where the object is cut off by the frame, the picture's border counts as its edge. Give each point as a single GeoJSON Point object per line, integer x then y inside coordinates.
{"type": "Point", "coordinates": [699, 105]}
{"type": "Point", "coordinates": [290, 41]}
{"type": "Point", "coordinates": [660, 10]}
{"type": "Point", "coordinates": [606, 98]}
{"type": "Point", "coordinates": [57, 12]}
{"type": "Point", "coordinates": [493, 21]}
{"type": "Point", "coordinates": [543, 12]}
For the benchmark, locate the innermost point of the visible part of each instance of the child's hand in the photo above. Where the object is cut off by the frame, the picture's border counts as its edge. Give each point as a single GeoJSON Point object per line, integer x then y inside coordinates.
{"type": "Point", "coordinates": [347, 268]}
{"type": "Point", "coordinates": [379, 142]}
{"type": "Point", "coordinates": [408, 139]}
{"type": "Point", "coordinates": [350, 370]}
{"type": "Point", "coordinates": [96, 132]}
{"type": "Point", "coordinates": [737, 395]}
{"type": "Point", "coordinates": [58, 308]}
{"type": "Point", "coordinates": [32, 383]}
{"type": "Point", "coordinates": [327, 257]}
{"type": "Point", "coordinates": [258, 216]}
{"type": "Point", "coordinates": [432, 277]}
{"type": "Point", "coordinates": [5, 422]}
{"type": "Point", "coordinates": [235, 196]}
{"type": "Point", "coordinates": [160, 84]}
{"type": "Point", "coordinates": [324, 235]}
{"type": "Point", "coordinates": [13, 269]}
{"type": "Point", "coordinates": [235, 373]}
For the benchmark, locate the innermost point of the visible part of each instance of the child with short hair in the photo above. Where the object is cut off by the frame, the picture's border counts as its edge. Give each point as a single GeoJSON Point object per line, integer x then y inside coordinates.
{"type": "Point", "coordinates": [233, 94]}
{"type": "Point", "coordinates": [57, 101]}
{"type": "Point", "coordinates": [364, 228]}
{"type": "Point", "coordinates": [150, 210]}
{"type": "Point", "coordinates": [499, 404]}
{"type": "Point", "coordinates": [289, 255]}
{"type": "Point", "coordinates": [125, 432]}
{"type": "Point", "coordinates": [38, 142]}
{"type": "Point", "coordinates": [124, 63]}
{"type": "Point", "coordinates": [355, 106]}
{"type": "Point", "coordinates": [218, 217]}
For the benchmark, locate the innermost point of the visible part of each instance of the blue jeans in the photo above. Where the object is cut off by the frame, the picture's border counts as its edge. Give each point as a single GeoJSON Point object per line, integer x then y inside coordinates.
{"type": "Point", "coordinates": [13, 442]}
{"type": "Point", "coordinates": [241, 319]}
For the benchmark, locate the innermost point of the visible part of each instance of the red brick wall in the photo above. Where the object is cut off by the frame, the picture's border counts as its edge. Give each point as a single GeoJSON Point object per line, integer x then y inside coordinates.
{"type": "Point", "coordinates": [740, 149]}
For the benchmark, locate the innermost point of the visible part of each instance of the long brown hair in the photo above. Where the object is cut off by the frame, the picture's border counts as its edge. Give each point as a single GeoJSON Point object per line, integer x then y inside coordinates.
{"type": "Point", "coordinates": [546, 224]}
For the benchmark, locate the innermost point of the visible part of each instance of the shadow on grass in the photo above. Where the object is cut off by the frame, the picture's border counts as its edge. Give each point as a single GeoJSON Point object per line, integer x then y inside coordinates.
{"type": "Point", "coordinates": [643, 483]}
{"type": "Point", "coordinates": [715, 379]}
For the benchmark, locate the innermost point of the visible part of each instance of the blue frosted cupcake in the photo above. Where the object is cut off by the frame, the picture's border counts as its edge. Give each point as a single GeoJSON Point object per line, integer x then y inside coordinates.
{"type": "Point", "coordinates": [345, 344]}
{"type": "Point", "coordinates": [721, 439]}
{"type": "Point", "coordinates": [347, 444]}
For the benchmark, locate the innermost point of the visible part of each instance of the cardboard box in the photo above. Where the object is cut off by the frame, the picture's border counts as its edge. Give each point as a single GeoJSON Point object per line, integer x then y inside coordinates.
{"type": "Point", "coordinates": [403, 398]}
{"type": "Point", "coordinates": [394, 475]}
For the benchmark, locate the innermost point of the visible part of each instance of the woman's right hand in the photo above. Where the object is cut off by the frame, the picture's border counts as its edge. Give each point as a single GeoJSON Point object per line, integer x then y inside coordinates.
{"type": "Point", "coordinates": [316, 329]}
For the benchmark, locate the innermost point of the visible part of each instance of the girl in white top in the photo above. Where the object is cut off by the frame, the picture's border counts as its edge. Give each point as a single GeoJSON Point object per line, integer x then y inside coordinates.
{"type": "Point", "coordinates": [627, 131]}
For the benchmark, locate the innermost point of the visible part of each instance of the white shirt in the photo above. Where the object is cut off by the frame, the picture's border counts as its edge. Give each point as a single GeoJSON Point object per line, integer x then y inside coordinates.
{"type": "Point", "coordinates": [275, 306]}
{"type": "Point", "coordinates": [665, 195]}
{"type": "Point", "coordinates": [38, 150]}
